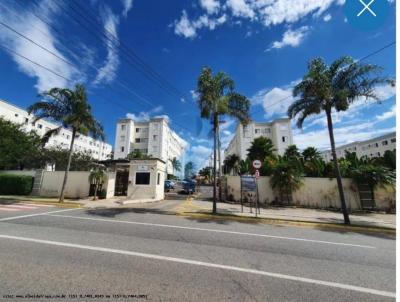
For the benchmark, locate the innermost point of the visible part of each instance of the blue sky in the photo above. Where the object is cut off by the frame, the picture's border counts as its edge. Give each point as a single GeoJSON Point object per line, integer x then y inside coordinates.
{"type": "Point", "coordinates": [263, 45]}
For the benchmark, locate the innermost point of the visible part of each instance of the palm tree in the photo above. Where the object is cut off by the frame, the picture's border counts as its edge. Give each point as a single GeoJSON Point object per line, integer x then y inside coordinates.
{"type": "Point", "coordinates": [70, 108]}
{"type": "Point", "coordinates": [285, 177]}
{"type": "Point", "coordinates": [367, 173]}
{"type": "Point", "coordinates": [327, 88]}
{"type": "Point", "coordinates": [313, 162]}
{"type": "Point", "coordinates": [244, 167]}
{"type": "Point", "coordinates": [231, 162]}
{"type": "Point", "coordinates": [293, 156]}
{"type": "Point", "coordinates": [261, 148]}
{"type": "Point", "coordinates": [217, 98]}
{"type": "Point", "coordinates": [97, 177]}
{"type": "Point", "coordinates": [176, 165]}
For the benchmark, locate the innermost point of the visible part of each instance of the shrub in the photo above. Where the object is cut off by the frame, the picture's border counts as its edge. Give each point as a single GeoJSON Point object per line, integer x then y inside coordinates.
{"type": "Point", "coordinates": [15, 184]}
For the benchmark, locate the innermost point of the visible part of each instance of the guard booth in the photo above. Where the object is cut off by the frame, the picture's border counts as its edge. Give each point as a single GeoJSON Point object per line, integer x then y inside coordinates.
{"type": "Point", "coordinates": [139, 179]}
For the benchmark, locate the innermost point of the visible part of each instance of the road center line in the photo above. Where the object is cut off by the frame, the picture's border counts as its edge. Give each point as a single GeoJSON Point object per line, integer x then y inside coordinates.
{"type": "Point", "coordinates": [208, 264]}
{"type": "Point", "coordinates": [213, 230]}
{"type": "Point", "coordinates": [37, 214]}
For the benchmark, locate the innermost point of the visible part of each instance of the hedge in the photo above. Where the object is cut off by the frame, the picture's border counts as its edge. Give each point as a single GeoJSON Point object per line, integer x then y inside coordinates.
{"type": "Point", "coordinates": [15, 184]}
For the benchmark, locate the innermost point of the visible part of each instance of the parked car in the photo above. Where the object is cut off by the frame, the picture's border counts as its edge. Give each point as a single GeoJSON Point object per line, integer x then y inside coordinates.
{"type": "Point", "coordinates": [189, 186]}
{"type": "Point", "coordinates": [168, 185]}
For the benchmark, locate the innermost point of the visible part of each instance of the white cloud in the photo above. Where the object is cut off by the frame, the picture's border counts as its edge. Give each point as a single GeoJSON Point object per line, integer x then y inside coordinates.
{"type": "Point", "coordinates": [39, 32]}
{"type": "Point", "coordinates": [188, 29]}
{"type": "Point", "coordinates": [194, 94]}
{"type": "Point", "coordinates": [387, 115]}
{"type": "Point", "coordinates": [107, 72]}
{"type": "Point", "coordinates": [267, 12]}
{"type": "Point", "coordinates": [327, 18]}
{"type": "Point", "coordinates": [211, 6]}
{"type": "Point", "coordinates": [127, 4]}
{"type": "Point", "coordinates": [291, 38]}
{"type": "Point", "coordinates": [241, 8]}
{"type": "Point", "coordinates": [145, 116]}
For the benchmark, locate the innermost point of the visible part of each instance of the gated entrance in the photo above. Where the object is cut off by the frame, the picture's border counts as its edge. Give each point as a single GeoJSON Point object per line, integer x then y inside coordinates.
{"type": "Point", "coordinates": [121, 182]}
{"type": "Point", "coordinates": [366, 198]}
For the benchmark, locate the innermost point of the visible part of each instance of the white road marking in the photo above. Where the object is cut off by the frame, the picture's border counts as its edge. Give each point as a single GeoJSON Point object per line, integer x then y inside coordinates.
{"type": "Point", "coordinates": [214, 230]}
{"type": "Point", "coordinates": [7, 209]}
{"type": "Point", "coordinates": [37, 214]}
{"type": "Point", "coordinates": [208, 264]}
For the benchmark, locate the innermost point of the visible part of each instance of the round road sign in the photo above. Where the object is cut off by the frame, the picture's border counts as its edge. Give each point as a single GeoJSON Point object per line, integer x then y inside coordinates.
{"type": "Point", "coordinates": [256, 164]}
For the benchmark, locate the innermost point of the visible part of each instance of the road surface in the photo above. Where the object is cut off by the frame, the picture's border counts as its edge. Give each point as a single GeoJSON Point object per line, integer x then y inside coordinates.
{"type": "Point", "coordinates": [136, 254]}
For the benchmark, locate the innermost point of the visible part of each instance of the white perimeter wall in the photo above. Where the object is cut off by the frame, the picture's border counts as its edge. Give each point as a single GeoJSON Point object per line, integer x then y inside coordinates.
{"type": "Point", "coordinates": [77, 184]}
{"type": "Point", "coordinates": [317, 193]}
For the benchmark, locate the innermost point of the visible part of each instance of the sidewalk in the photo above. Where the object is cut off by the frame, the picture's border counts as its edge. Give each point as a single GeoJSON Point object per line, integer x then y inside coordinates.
{"type": "Point", "coordinates": [292, 214]}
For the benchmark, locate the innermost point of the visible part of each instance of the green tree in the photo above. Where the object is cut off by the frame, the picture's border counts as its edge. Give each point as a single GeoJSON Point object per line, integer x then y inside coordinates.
{"type": "Point", "coordinates": [189, 170]}
{"type": "Point", "coordinates": [293, 156]}
{"type": "Point", "coordinates": [217, 98]}
{"type": "Point", "coordinates": [137, 154]}
{"type": "Point", "coordinates": [58, 157]}
{"type": "Point", "coordinates": [231, 163]}
{"type": "Point", "coordinates": [72, 110]}
{"type": "Point", "coordinates": [261, 148]}
{"type": "Point", "coordinates": [176, 165]}
{"type": "Point", "coordinates": [244, 167]}
{"type": "Point", "coordinates": [18, 149]}
{"type": "Point", "coordinates": [366, 172]}
{"type": "Point", "coordinates": [206, 172]}
{"type": "Point", "coordinates": [285, 178]}
{"type": "Point", "coordinates": [97, 177]}
{"type": "Point", "coordinates": [313, 162]}
{"type": "Point", "coordinates": [325, 88]}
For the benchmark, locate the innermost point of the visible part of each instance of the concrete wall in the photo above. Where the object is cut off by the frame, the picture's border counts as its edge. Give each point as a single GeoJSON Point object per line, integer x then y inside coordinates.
{"type": "Point", "coordinates": [77, 184]}
{"type": "Point", "coordinates": [19, 172]}
{"type": "Point", "coordinates": [316, 192]}
{"type": "Point", "coordinates": [110, 184]}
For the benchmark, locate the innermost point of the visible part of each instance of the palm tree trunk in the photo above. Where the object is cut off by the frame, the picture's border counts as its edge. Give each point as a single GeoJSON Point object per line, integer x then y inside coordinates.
{"type": "Point", "coordinates": [95, 191]}
{"type": "Point", "coordinates": [71, 149]}
{"type": "Point", "coordinates": [219, 165]}
{"type": "Point", "coordinates": [337, 169]}
{"type": "Point", "coordinates": [215, 165]}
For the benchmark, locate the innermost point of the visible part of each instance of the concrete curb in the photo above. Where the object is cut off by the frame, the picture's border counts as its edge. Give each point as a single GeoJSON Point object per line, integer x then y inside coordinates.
{"type": "Point", "coordinates": [46, 202]}
{"type": "Point", "coordinates": [339, 227]}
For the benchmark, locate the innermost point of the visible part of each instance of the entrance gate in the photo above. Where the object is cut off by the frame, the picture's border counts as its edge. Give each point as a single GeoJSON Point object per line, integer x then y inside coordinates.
{"type": "Point", "coordinates": [121, 183]}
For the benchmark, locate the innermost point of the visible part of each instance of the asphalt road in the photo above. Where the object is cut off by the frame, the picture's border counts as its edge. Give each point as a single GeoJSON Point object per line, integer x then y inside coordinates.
{"type": "Point", "coordinates": [137, 254]}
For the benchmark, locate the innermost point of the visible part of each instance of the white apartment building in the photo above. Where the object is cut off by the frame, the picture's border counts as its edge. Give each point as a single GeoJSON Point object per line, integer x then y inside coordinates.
{"type": "Point", "coordinates": [97, 149]}
{"type": "Point", "coordinates": [279, 131]}
{"type": "Point", "coordinates": [153, 137]}
{"type": "Point", "coordinates": [374, 147]}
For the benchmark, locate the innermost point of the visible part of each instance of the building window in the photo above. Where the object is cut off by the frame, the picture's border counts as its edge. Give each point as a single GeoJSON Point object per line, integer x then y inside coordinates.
{"type": "Point", "coordinates": [40, 126]}
{"type": "Point", "coordinates": [137, 140]}
{"type": "Point", "coordinates": [158, 178]}
{"type": "Point", "coordinates": [257, 131]}
{"type": "Point", "coordinates": [137, 130]}
{"type": "Point", "coordinates": [384, 143]}
{"type": "Point", "coordinates": [142, 178]}
{"type": "Point", "coordinates": [26, 120]}
{"type": "Point", "coordinates": [123, 127]}
{"type": "Point", "coordinates": [154, 137]}
{"type": "Point", "coordinates": [122, 149]}
{"type": "Point", "coordinates": [16, 115]}
{"type": "Point", "coordinates": [393, 140]}
{"type": "Point", "coordinates": [284, 139]}
{"type": "Point", "coordinates": [376, 145]}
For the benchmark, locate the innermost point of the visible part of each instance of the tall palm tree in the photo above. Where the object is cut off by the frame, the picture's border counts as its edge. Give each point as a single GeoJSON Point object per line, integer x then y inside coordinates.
{"type": "Point", "coordinates": [71, 109]}
{"type": "Point", "coordinates": [325, 88]}
{"type": "Point", "coordinates": [217, 98]}
{"type": "Point", "coordinates": [176, 165]}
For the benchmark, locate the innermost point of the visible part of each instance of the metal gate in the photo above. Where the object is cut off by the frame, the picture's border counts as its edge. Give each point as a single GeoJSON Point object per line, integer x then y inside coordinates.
{"type": "Point", "coordinates": [366, 198]}
{"type": "Point", "coordinates": [121, 183]}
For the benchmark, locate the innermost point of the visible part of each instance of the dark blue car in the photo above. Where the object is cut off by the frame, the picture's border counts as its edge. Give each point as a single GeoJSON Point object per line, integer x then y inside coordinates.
{"type": "Point", "coordinates": [189, 186]}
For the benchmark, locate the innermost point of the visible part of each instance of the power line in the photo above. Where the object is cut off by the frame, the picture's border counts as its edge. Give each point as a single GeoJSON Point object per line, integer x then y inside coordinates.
{"type": "Point", "coordinates": [362, 59]}
{"type": "Point", "coordinates": [70, 80]}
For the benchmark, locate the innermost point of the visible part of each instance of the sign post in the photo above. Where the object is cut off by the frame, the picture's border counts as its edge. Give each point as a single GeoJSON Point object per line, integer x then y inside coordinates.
{"type": "Point", "coordinates": [257, 165]}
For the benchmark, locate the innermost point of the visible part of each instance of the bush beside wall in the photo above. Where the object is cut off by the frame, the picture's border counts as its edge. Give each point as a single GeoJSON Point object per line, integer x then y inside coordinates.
{"type": "Point", "coordinates": [15, 184]}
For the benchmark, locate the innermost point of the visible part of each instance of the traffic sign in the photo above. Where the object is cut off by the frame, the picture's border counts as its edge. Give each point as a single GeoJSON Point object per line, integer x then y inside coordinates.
{"type": "Point", "coordinates": [257, 164]}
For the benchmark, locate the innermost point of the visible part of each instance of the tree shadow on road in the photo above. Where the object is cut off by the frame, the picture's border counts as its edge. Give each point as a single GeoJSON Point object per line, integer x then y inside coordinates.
{"type": "Point", "coordinates": [113, 212]}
